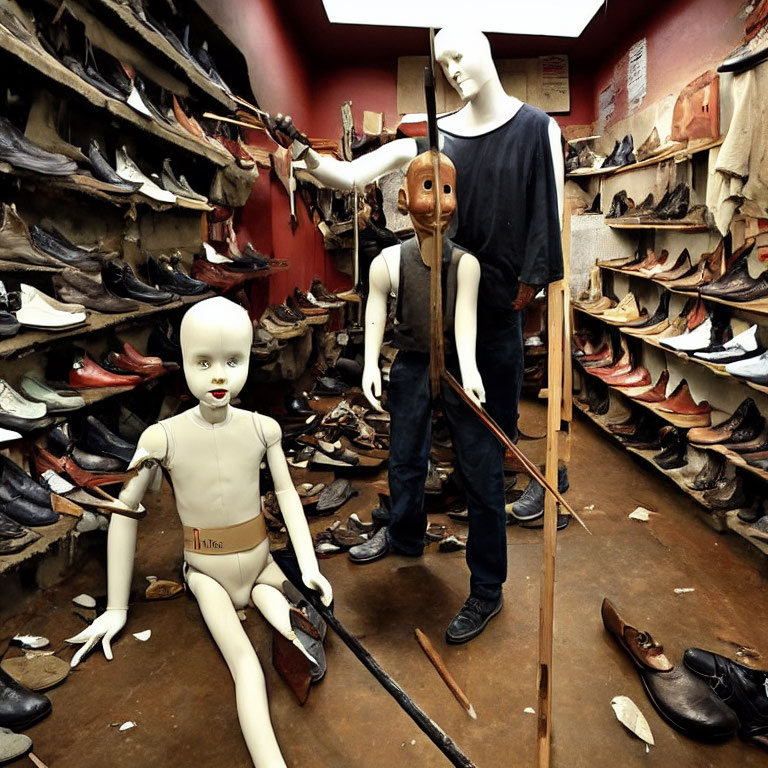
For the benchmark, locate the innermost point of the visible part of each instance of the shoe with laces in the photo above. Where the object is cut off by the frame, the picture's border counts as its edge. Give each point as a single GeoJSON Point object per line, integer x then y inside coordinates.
{"type": "Point", "coordinates": [471, 619]}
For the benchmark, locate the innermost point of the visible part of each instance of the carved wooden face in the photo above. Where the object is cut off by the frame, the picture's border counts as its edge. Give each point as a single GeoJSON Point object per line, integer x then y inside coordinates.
{"type": "Point", "coordinates": [418, 193]}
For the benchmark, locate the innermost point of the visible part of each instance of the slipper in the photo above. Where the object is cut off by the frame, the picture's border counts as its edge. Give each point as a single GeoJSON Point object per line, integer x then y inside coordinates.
{"type": "Point", "coordinates": [38, 672]}
{"type": "Point", "coordinates": [13, 745]}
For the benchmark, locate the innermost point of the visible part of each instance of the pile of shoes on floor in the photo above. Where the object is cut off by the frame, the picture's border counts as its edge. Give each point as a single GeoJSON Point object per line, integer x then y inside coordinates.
{"type": "Point", "coordinates": [707, 697]}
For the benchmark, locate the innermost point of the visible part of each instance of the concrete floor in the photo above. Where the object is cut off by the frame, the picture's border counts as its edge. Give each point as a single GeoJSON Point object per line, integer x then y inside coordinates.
{"type": "Point", "coordinates": [178, 691]}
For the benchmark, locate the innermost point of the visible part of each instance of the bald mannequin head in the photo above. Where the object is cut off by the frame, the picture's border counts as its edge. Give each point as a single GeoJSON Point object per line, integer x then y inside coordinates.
{"type": "Point", "coordinates": [216, 337]}
{"type": "Point", "coordinates": [465, 57]}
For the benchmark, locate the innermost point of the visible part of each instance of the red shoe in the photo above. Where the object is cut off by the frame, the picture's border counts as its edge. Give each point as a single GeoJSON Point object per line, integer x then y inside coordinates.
{"type": "Point", "coordinates": [84, 373]}
{"type": "Point", "coordinates": [64, 465]}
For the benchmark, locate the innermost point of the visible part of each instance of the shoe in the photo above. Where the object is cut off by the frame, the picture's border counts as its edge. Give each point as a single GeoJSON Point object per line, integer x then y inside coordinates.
{"type": "Point", "coordinates": [323, 296]}
{"type": "Point", "coordinates": [374, 549]}
{"type": "Point", "coordinates": [757, 444]}
{"type": "Point", "coordinates": [205, 60]}
{"type": "Point", "coordinates": [682, 699]}
{"type": "Point", "coordinates": [729, 495]}
{"type": "Point", "coordinates": [20, 707]}
{"type": "Point", "coordinates": [530, 505]}
{"type": "Point", "coordinates": [14, 537]}
{"type": "Point", "coordinates": [131, 361]}
{"type": "Point", "coordinates": [743, 689]}
{"type": "Point", "coordinates": [55, 401]}
{"type": "Point", "coordinates": [20, 152]}
{"type": "Point", "coordinates": [18, 413]}
{"type": "Point", "coordinates": [738, 348]}
{"type": "Point", "coordinates": [60, 443]}
{"type": "Point", "coordinates": [736, 280]}
{"type": "Point", "coordinates": [103, 171]}
{"type": "Point", "coordinates": [759, 530]}
{"type": "Point", "coordinates": [335, 495]}
{"type": "Point", "coordinates": [9, 325]}
{"type": "Point", "coordinates": [24, 511]}
{"type": "Point", "coordinates": [16, 243]}
{"type": "Point", "coordinates": [745, 424]}
{"type": "Point", "coordinates": [163, 343]}
{"type": "Point", "coordinates": [675, 206]}
{"type": "Point", "coordinates": [648, 147]}
{"type": "Point", "coordinates": [691, 340]}
{"type": "Point", "coordinates": [166, 274]}
{"type": "Point", "coordinates": [298, 405]}
{"type": "Point", "coordinates": [100, 439]}
{"type": "Point", "coordinates": [626, 311]}
{"type": "Point", "coordinates": [673, 270]}
{"type": "Point", "coordinates": [710, 473]}
{"type": "Point", "coordinates": [120, 278]}
{"type": "Point", "coordinates": [672, 455]}
{"type": "Point", "coordinates": [619, 205]}
{"type": "Point", "coordinates": [682, 410]}
{"type": "Point", "coordinates": [179, 186]}
{"type": "Point", "coordinates": [753, 369]}
{"type": "Point", "coordinates": [86, 374]}
{"type": "Point", "coordinates": [64, 252]}
{"type": "Point", "coordinates": [472, 619]}
{"type": "Point", "coordinates": [47, 314]}
{"type": "Point", "coordinates": [658, 392]}
{"type": "Point", "coordinates": [654, 323]}
{"type": "Point", "coordinates": [128, 171]}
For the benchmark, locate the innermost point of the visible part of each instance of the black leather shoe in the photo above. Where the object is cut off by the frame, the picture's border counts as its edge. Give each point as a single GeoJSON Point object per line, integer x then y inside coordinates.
{"type": "Point", "coordinates": [743, 689]}
{"type": "Point", "coordinates": [19, 483]}
{"type": "Point", "coordinates": [619, 205]}
{"type": "Point", "coordinates": [166, 275]}
{"type": "Point", "coordinates": [90, 75]}
{"type": "Point", "coordinates": [736, 279]}
{"type": "Point", "coordinates": [672, 455]}
{"type": "Point", "coordinates": [163, 342]}
{"type": "Point", "coordinates": [75, 288]}
{"type": "Point", "coordinates": [19, 151]}
{"type": "Point", "coordinates": [681, 698]}
{"type": "Point", "coordinates": [472, 619]}
{"type": "Point", "coordinates": [102, 440]}
{"type": "Point", "coordinates": [710, 473]}
{"type": "Point", "coordinates": [61, 443]}
{"type": "Point", "coordinates": [120, 278]}
{"type": "Point", "coordinates": [9, 325]}
{"type": "Point", "coordinates": [20, 707]}
{"type": "Point", "coordinates": [14, 537]}
{"type": "Point", "coordinates": [72, 257]}
{"type": "Point", "coordinates": [24, 511]}
{"type": "Point", "coordinates": [530, 506]}
{"type": "Point", "coordinates": [297, 405]}
{"type": "Point", "coordinates": [103, 170]}
{"type": "Point", "coordinates": [674, 206]}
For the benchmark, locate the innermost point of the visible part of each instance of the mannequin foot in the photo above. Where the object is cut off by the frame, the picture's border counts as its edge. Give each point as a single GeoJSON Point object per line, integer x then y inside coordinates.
{"type": "Point", "coordinates": [472, 618]}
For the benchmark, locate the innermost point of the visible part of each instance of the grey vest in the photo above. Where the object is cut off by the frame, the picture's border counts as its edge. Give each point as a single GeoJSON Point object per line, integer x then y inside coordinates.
{"type": "Point", "coordinates": [412, 315]}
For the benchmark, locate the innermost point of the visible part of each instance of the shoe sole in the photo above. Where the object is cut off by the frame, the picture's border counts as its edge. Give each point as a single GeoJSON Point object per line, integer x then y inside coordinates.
{"type": "Point", "coordinates": [476, 632]}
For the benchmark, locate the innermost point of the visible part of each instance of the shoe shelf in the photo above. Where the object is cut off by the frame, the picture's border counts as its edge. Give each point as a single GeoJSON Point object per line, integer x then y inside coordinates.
{"type": "Point", "coordinates": [15, 266]}
{"type": "Point", "coordinates": [717, 370]}
{"type": "Point", "coordinates": [742, 529]}
{"type": "Point", "coordinates": [57, 73]}
{"type": "Point", "coordinates": [115, 14]}
{"type": "Point", "coordinates": [713, 517]}
{"type": "Point", "coordinates": [736, 459]}
{"type": "Point", "coordinates": [635, 224]}
{"type": "Point", "coordinates": [57, 533]}
{"type": "Point", "coordinates": [679, 156]}
{"type": "Point", "coordinates": [28, 341]}
{"type": "Point", "coordinates": [87, 185]}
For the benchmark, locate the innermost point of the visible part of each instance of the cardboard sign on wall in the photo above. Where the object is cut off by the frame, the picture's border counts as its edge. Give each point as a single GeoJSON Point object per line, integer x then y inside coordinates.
{"type": "Point", "coordinates": [542, 82]}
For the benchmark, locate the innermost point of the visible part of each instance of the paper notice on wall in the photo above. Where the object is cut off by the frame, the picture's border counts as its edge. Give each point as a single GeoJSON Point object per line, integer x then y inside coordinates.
{"type": "Point", "coordinates": [637, 74]}
{"type": "Point", "coordinates": [606, 106]}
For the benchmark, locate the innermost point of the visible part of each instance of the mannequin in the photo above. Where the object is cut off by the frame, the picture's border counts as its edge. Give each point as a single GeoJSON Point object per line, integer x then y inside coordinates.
{"type": "Point", "coordinates": [510, 170]}
{"type": "Point", "coordinates": [213, 453]}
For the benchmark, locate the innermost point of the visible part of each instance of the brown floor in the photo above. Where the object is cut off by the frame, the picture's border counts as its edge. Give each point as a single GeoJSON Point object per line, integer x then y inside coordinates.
{"type": "Point", "coordinates": [177, 689]}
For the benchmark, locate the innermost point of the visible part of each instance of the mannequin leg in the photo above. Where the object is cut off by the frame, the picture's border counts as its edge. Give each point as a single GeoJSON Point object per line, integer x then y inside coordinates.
{"type": "Point", "coordinates": [410, 410]}
{"type": "Point", "coordinates": [250, 688]}
{"type": "Point", "coordinates": [274, 607]}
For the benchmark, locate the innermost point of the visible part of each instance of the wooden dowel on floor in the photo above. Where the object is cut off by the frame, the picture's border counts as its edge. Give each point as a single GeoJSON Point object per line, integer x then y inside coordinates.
{"type": "Point", "coordinates": [442, 670]}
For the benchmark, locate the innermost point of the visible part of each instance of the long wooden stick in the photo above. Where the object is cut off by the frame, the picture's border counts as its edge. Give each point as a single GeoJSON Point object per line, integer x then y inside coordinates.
{"type": "Point", "coordinates": [501, 436]}
{"type": "Point", "coordinates": [442, 670]}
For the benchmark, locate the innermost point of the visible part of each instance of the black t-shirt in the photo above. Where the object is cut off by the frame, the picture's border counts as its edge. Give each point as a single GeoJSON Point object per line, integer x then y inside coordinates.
{"type": "Point", "coordinates": [507, 206]}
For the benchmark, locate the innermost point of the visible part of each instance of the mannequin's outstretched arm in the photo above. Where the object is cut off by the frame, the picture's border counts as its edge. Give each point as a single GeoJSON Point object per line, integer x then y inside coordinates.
{"type": "Point", "coordinates": [340, 174]}
{"type": "Point", "coordinates": [380, 286]}
{"type": "Point", "coordinates": [293, 512]}
{"type": "Point", "coordinates": [465, 326]}
{"type": "Point", "coordinates": [121, 549]}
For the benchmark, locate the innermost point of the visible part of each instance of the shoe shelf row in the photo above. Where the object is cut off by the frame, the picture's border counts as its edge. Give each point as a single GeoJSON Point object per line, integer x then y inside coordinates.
{"type": "Point", "coordinates": [678, 156]}
{"type": "Point", "coordinates": [56, 73]}
{"type": "Point", "coordinates": [60, 534]}
{"type": "Point", "coordinates": [715, 518]}
{"type": "Point", "coordinates": [90, 187]}
{"type": "Point", "coordinates": [122, 21]}
{"type": "Point", "coordinates": [27, 341]}
{"type": "Point", "coordinates": [681, 227]}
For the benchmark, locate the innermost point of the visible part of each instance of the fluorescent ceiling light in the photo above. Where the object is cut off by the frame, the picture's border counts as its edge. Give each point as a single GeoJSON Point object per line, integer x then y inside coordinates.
{"type": "Point", "coordinates": [556, 18]}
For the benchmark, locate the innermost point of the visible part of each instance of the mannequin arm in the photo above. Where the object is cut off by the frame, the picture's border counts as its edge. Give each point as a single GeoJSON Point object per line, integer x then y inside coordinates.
{"type": "Point", "coordinates": [293, 513]}
{"type": "Point", "coordinates": [465, 326]}
{"type": "Point", "coordinates": [558, 164]}
{"type": "Point", "coordinates": [375, 322]}
{"type": "Point", "coordinates": [340, 174]}
{"type": "Point", "coordinates": [121, 548]}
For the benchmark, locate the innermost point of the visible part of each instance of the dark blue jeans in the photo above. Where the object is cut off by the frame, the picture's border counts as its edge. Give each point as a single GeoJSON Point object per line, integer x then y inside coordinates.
{"type": "Point", "coordinates": [480, 455]}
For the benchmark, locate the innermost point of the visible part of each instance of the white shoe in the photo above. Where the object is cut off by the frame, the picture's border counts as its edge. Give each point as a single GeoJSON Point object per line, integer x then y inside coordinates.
{"type": "Point", "coordinates": [6, 435]}
{"type": "Point", "coordinates": [11, 402]}
{"type": "Point", "coordinates": [37, 312]}
{"type": "Point", "coordinates": [134, 100]}
{"type": "Point", "coordinates": [754, 368]}
{"type": "Point", "coordinates": [742, 344]}
{"type": "Point", "coordinates": [214, 257]}
{"type": "Point", "coordinates": [129, 171]}
{"type": "Point", "coordinates": [699, 338]}
{"type": "Point", "coordinates": [31, 294]}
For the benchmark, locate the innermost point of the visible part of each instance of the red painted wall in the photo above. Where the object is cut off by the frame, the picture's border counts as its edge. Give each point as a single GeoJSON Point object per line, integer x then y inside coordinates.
{"type": "Point", "coordinates": [684, 39]}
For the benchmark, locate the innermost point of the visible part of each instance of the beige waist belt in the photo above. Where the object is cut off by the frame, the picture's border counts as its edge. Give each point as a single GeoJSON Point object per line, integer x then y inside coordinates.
{"type": "Point", "coordinates": [228, 540]}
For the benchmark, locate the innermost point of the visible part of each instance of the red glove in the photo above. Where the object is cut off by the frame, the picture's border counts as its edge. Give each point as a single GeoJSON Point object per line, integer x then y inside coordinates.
{"type": "Point", "coordinates": [525, 294]}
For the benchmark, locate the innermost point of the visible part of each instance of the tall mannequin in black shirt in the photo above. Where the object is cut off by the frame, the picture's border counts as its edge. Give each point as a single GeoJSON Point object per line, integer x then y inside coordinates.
{"type": "Point", "coordinates": [509, 185]}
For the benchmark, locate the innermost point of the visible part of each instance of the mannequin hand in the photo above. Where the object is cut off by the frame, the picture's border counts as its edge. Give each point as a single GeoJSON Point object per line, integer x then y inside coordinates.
{"type": "Point", "coordinates": [104, 628]}
{"type": "Point", "coordinates": [473, 386]}
{"type": "Point", "coordinates": [315, 580]}
{"type": "Point", "coordinates": [525, 294]}
{"type": "Point", "coordinates": [372, 386]}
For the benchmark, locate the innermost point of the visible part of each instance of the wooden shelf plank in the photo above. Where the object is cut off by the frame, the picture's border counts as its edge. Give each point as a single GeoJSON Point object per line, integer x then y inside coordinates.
{"type": "Point", "coordinates": [49, 535]}
{"type": "Point", "coordinates": [621, 224]}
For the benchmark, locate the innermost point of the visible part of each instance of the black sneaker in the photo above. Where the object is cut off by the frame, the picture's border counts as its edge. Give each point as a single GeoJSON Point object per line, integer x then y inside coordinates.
{"type": "Point", "coordinates": [470, 621]}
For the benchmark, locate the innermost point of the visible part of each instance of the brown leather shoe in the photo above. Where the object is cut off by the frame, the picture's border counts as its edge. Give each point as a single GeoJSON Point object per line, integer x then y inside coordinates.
{"type": "Point", "coordinates": [710, 267]}
{"type": "Point", "coordinates": [85, 373]}
{"type": "Point", "coordinates": [16, 243]}
{"type": "Point", "coordinates": [680, 267]}
{"type": "Point", "coordinates": [746, 422]}
{"type": "Point", "coordinates": [45, 460]}
{"type": "Point", "coordinates": [659, 391]}
{"type": "Point", "coordinates": [639, 645]}
{"type": "Point", "coordinates": [72, 286]}
{"type": "Point", "coordinates": [682, 410]}
{"type": "Point", "coordinates": [125, 363]}
{"type": "Point", "coordinates": [637, 377]}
